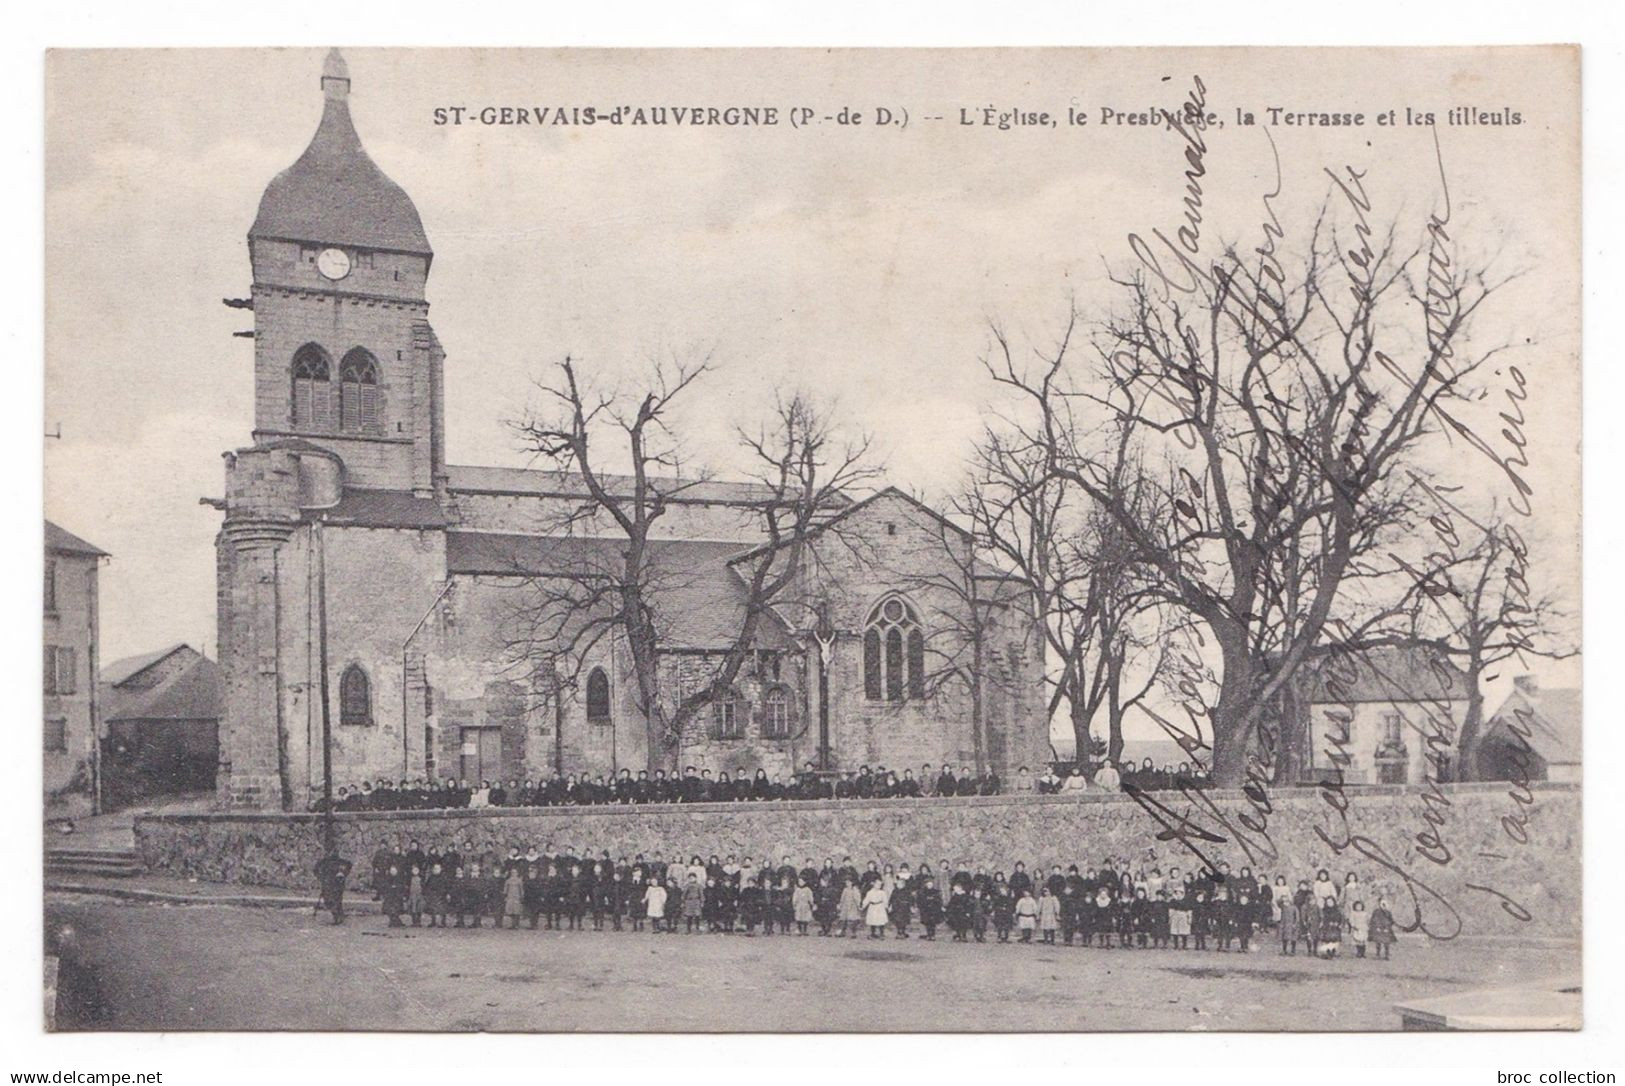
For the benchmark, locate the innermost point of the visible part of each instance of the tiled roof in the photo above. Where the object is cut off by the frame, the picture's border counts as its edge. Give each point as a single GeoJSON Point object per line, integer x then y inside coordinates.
{"type": "Point", "coordinates": [1388, 673]}
{"type": "Point", "coordinates": [364, 508]}
{"type": "Point", "coordinates": [469, 479]}
{"type": "Point", "coordinates": [699, 601]}
{"type": "Point", "coordinates": [194, 693]}
{"type": "Point", "coordinates": [853, 508]}
{"type": "Point", "coordinates": [61, 541]}
{"type": "Point", "coordinates": [128, 667]}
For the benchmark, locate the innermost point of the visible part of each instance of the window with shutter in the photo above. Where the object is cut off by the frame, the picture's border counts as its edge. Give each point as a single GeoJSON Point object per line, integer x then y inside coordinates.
{"type": "Point", "coordinates": [66, 671]}
{"type": "Point", "coordinates": [50, 669]}
{"type": "Point", "coordinates": [312, 385]}
{"type": "Point", "coordinates": [358, 392]}
{"type": "Point", "coordinates": [56, 735]}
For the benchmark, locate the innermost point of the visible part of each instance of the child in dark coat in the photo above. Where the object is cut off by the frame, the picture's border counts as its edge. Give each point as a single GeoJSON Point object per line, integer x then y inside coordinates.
{"type": "Point", "coordinates": [752, 906]}
{"type": "Point", "coordinates": [612, 900]}
{"type": "Point", "coordinates": [1160, 920]}
{"type": "Point", "coordinates": [901, 908]}
{"type": "Point", "coordinates": [1142, 919]}
{"type": "Point", "coordinates": [1124, 915]}
{"type": "Point", "coordinates": [1201, 919]}
{"type": "Point", "coordinates": [459, 895]}
{"type": "Point", "coordinates": [636, 905]}
{"type": "Point", "coordinates": [392, 889]}
{"type": "Point", "coordinates": [958, 913]}
{"type": "Point", "coordinates": [693, 904]}
{"type": "Point", "coordinates": [1382, 929]}
{"type": "Point", "coordinates": [1224, 918]}
{"type": "Point", "coordinates": [1003, 909]}
{"type": "Point", "coordinates": [1244, 914]}
{"type": "Point", "coordinates": [434, 895]}
{"type": "Point", "coordinates": [1179, 920]}
{"type": "Point", "coordinates": [1291, 926]}
{"type": "Point", "coordinates": [579, 896]}
{"type": "Point", "coordinates": [1329, 929]}
{"type": "Point", "coordinates": [535, 891]}
{"type": "Point", "coordinates": [414, 895]}
{"type": "Point", "coordinates": [929, 901]}
{"type": "Point", "coordinates": [495, 895]}
{"type": "Point", "coordinates": [513, 895]}
{"type": "Point", "coordinates": [826, 903]}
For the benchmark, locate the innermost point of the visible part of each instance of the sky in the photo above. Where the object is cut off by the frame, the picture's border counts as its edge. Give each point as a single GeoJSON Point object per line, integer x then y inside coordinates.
{"type": "Point", "coordinates": [862, 264]}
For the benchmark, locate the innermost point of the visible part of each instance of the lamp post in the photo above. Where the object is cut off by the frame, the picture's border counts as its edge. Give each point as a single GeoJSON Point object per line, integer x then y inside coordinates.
{"type": "Point", "coordinates": [329, 832]}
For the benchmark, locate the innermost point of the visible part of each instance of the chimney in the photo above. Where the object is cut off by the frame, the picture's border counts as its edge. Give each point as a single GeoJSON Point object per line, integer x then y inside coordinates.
{"type": "Point", "coordinates": [1527, 685]}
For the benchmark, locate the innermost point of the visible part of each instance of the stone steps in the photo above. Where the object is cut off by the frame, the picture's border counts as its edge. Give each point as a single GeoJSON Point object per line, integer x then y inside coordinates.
{"type": "Point", "coordinates": [106, 862]}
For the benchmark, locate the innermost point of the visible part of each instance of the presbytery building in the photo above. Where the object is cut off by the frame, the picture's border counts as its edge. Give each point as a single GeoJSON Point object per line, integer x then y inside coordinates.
{"type": "Point", "coordinates": [357, 565]}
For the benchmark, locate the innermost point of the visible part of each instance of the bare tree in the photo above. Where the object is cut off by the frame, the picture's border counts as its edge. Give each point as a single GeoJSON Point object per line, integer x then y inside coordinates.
{"type": "Point", "coordinates": [616, 587]}
{"type": "Point", "coordinates": [970, 647]}
{"type": "Point", "coordinates": [1476, 601]}
{"type": "Point", "coordinates": [1086, 591]}
{"type": "Point", "coordinates": [1274, 417]}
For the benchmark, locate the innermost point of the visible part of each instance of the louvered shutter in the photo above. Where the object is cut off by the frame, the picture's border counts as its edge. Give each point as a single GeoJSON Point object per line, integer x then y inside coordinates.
{"type": "Point", "coordinates": [369, 408]}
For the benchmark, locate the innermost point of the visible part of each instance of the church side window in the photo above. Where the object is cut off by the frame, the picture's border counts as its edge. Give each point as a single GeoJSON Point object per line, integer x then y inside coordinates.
{"type": "Point", "coordinates": [598, 696]}
{"type": "Point", "coordinates": [893, 653]}
{"type": "Point", "coordinates": [727, 717]}
{"type": "Point", "coordinates": [355, 696]}
{"type": "Point", "coordinates": [776, 714]}
{"type": "Point", "coordinates": [312, 389]}
{"type": "Point", "coordinates": [358, 393]}
{"type": "Point", "coordinates": [916, 664]}
{"type": "Point", "coordinates": [871, 664]}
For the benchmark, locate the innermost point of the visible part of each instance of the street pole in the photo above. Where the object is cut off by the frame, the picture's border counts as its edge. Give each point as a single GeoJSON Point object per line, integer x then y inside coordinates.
{"type": "Point", "coordinates": [329, 835]}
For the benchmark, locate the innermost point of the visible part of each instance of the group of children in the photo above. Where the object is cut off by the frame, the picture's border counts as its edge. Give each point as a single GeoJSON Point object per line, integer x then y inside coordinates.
{"type": "Point", "coordinates": [1102, 907]}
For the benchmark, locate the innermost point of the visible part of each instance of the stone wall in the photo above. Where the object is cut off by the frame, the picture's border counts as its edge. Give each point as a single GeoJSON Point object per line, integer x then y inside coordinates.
{"type": "Point", "coordinates": [1384, 832]}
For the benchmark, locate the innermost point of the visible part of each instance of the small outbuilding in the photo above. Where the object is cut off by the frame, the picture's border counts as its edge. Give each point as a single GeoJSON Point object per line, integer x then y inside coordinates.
{"type": "Point", "coordinates": [162, 722]}
{"type": "Point", "coordinates": [1533, 736]}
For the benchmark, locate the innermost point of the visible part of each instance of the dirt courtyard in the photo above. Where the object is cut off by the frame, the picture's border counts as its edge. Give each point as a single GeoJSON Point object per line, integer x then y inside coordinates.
{"type": "Point", "coordinates": [157, 967]}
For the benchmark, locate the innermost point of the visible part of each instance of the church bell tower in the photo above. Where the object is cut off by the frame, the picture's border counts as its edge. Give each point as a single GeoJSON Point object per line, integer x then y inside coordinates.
{"type": "Point", "coordinates": [347, 417]}
{"type": "Point", "coordinates": [344, 356]}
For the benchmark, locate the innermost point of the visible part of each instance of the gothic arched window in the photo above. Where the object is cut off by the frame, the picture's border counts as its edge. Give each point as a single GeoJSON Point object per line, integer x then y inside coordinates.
{"type": "Point", "coordinates": [893, 652]}
{"type": "Point", "coordinates": [358, 392]}
{"type": "Point", "coordinates": [312, 389]}
{"type": "Point", "coordinates": [598, 696]}
{"type": "Point", "coordinates": [355, 696]}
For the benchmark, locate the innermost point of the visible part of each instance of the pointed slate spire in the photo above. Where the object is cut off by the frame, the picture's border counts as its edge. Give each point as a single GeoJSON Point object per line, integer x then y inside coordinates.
{"type": "Point", "coordinates": [335, 194]}
{"type": "Point", "coordinates": [335, 76]}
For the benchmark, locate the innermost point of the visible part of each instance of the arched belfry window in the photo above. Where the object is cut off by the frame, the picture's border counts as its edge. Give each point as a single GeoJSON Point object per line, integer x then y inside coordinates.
{"type": "Point", "coordinates": [358, 392]}
{"type": "Point", "coordinates": [598, 696]}
{"type": "Point", "coordinates": [355, 696]}
{"type": "Point", "coordinates": [312, 389]}
{"type": "Point", "coordinates": [893, 652]}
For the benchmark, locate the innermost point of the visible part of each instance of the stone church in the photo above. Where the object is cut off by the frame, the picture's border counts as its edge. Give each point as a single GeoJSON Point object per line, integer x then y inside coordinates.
{"type": "Point", "coordinates": [355, 562]}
